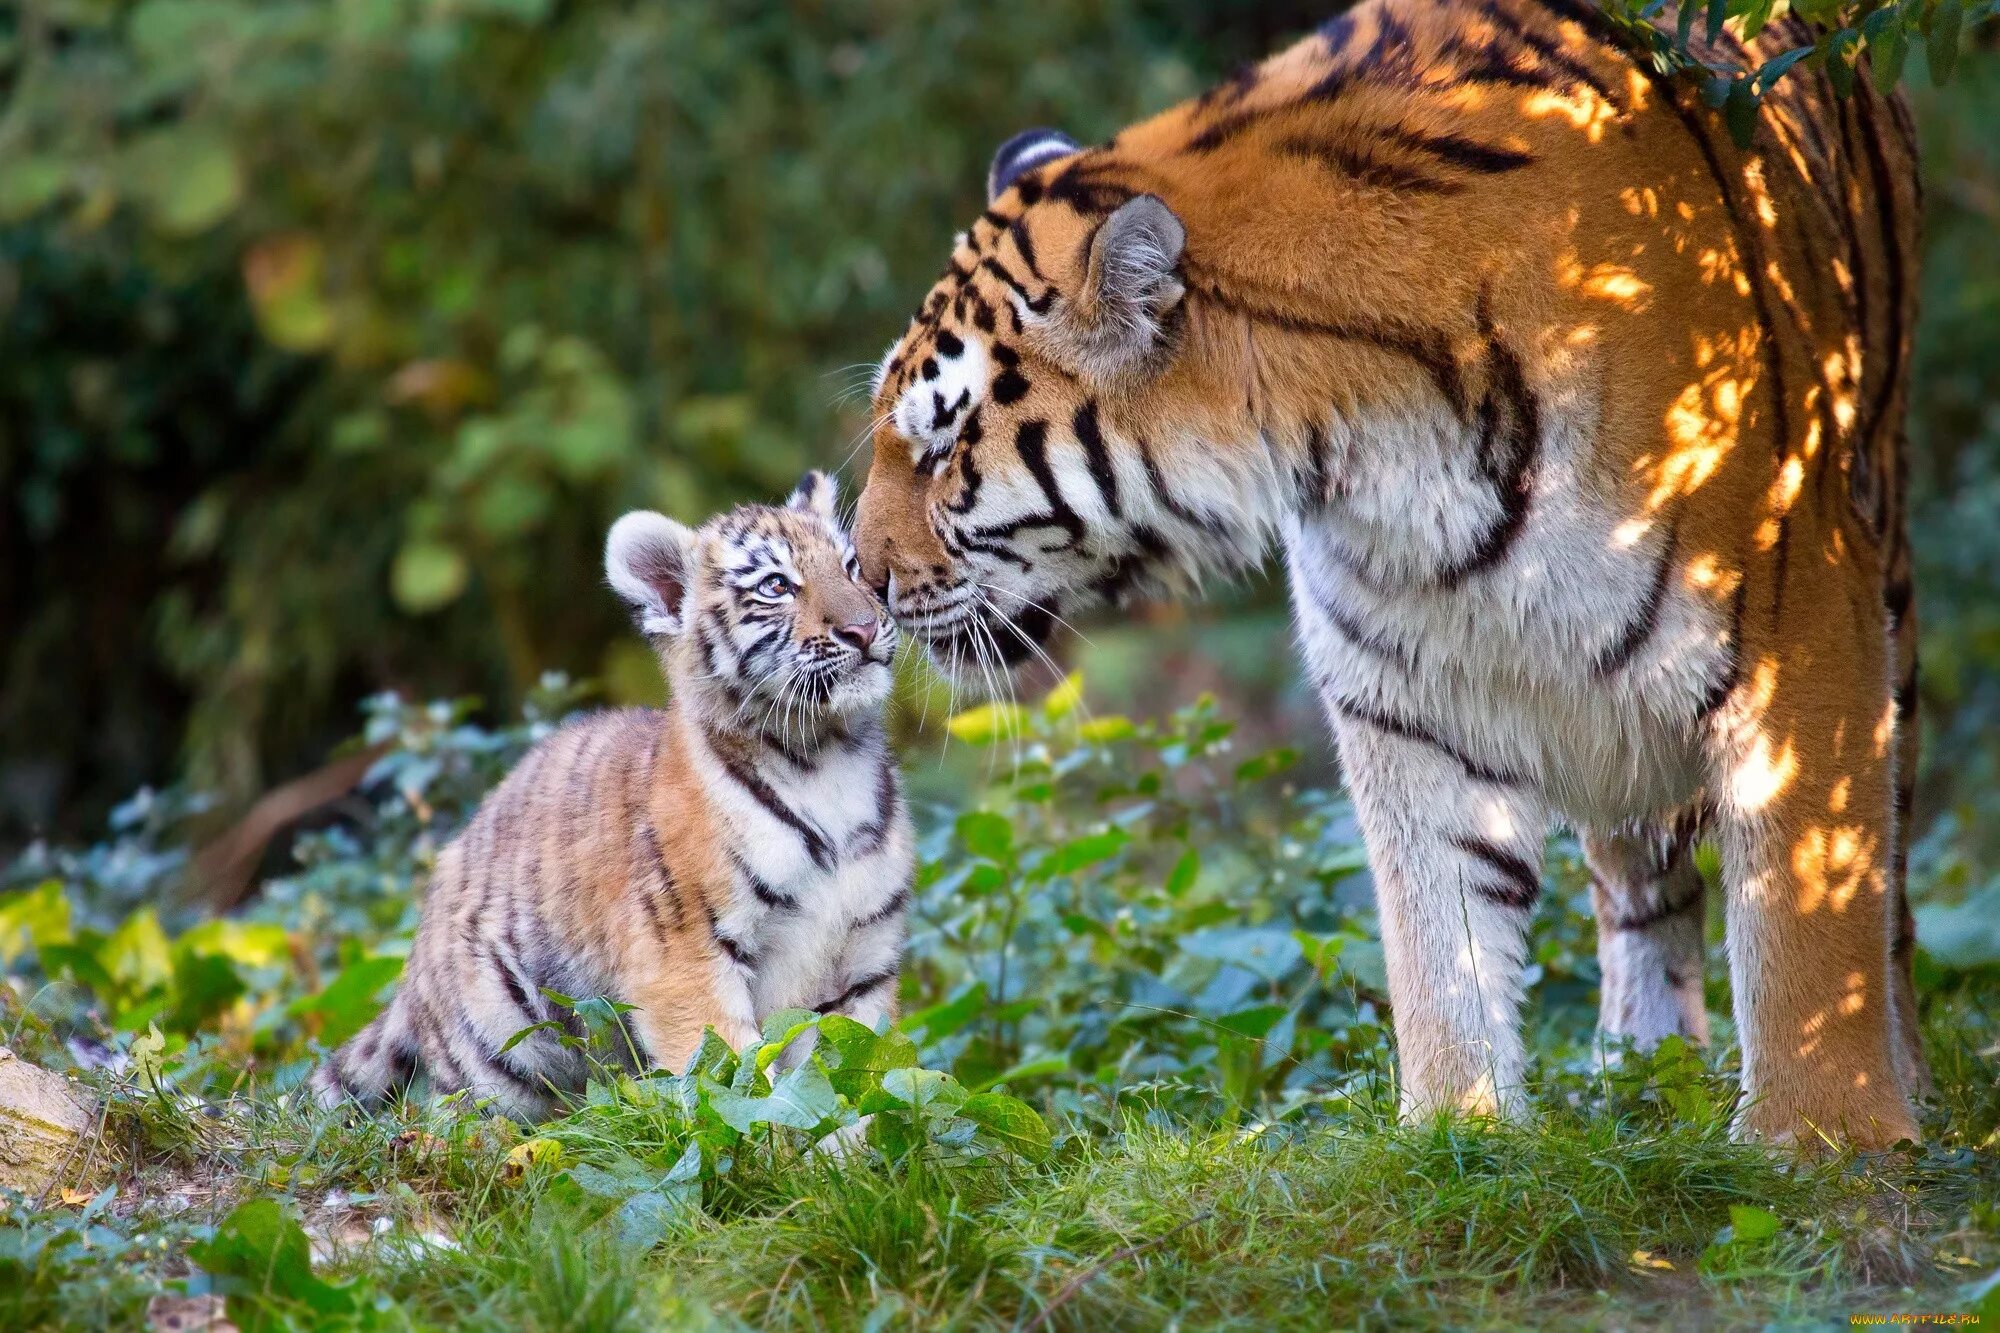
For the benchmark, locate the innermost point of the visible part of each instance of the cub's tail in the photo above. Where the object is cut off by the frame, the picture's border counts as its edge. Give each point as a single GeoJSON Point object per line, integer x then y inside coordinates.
{"type": "Point", "coordinates": [374, 1062]}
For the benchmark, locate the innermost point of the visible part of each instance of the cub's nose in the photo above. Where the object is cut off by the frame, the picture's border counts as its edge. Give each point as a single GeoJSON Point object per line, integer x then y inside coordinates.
{"type": "Point", "coordinates": [860, 635]}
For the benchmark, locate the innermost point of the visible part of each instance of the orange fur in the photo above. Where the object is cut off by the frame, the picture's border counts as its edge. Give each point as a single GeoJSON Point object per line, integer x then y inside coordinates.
{"type": "Point", "coordinates": [1482, 210]}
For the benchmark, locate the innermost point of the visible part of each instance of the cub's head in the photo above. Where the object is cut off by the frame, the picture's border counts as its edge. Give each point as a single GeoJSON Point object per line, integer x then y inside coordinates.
{"type": "Point", "coordinates": [762, 609]}
{"type": "Point", "coordinates": [1031, 424]}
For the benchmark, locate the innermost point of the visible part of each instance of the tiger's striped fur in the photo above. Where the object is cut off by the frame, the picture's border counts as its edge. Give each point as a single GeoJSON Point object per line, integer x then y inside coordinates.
{"type": "Point", "coordinates": [745, 849]}
{"type": "Point", "coordinates": [1582, 432]}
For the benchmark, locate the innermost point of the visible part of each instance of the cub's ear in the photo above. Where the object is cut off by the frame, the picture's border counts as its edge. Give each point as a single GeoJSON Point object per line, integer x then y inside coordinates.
{"type": "Point", "coordinates": [1023, 153]}
{"type": "Point", "coordinates": [816, 493]}
{"type": "Point", "coordinates": [649, 558]}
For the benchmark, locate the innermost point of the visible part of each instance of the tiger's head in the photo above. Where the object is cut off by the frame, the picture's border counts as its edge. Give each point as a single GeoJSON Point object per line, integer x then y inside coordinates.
{"type": "Point", "coordinates": [1034, 426]}
{"type": "Point", "coordinates": [760, 612]}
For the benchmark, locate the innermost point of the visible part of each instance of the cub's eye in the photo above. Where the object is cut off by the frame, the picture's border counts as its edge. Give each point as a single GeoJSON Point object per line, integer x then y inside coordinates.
{"type": "Point", "coordinates": [775, 586]}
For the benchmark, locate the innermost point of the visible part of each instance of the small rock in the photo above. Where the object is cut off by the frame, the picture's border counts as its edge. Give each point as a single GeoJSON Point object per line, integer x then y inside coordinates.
{"type": "Point", "coordinates": [180, 1314]}
{"type": "Point", "coordinates": [43, 1122]}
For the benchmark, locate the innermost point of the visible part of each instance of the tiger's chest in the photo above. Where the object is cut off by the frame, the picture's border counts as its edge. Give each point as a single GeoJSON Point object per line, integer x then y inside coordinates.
{"type": "Point", "coordinates": [1546, 633]}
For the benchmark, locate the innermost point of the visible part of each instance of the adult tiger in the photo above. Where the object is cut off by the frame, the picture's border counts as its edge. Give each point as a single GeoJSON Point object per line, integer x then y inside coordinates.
{"type": "Point", "coordinates": [1582, 431]}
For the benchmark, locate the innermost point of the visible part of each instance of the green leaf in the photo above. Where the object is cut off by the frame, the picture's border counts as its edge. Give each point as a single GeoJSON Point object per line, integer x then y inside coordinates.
{"type": "Point", "coordinates": [1941, 39]}
{"type": "Point", "coordinates": [922, 1089]}
{"type": "Point", "coordinates": [1739, 111]}
{"type": "Point", "coordinates": [247, 943]}
{"type": "Point", "coordinates": [1079, 853]}
{"type": "Point", "coordinates": [1185, 872]}
{"type": "Point", "coordinates": [1749, 1225]}
{"type": "Point", "coordinates": [986, 834]}
{"type": "Point", "coordinates": [1008, 1121]}
{"type": "Point", "coordinates": [34, 920]}
{"type": "Point", "coordinates": [1269, 951]}
{"type": "Point", "coordinates": [186, 177]}
{"type": "Point", "coordinates": [987, 723]}
{"type": "Point", "coordinates": [1718, 13]}
{"type": "Point", "coordinates": [428, 575]}
{"type": "Point", "coordinates": [137, 954]}
{"type": "Point", "coordinates": [261, 1261]}
{"type": "Point", "coordinates": [1271, 762]}
{"type": "Point", "coordinates": [942, 1020]}
{"type": "Point", "coordinates": [1025, 1071]}
{"type": "Point", "coordinates": [1061, 701]}
{"type": "Point", "coordinates": [347, 1003]}
{"type": "Point", "coordinates": [31, 183]}
{"type": "Point", "coordinates": [802, 1099]}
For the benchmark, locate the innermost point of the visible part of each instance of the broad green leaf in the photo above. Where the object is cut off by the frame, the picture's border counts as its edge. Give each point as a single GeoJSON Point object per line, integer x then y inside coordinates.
{"type": "Point", "coordinates": [1268, 951]}
{"type": "Point", "coordinates": [986, 834]}
{"type": "Point", "coordinates": [186, 177]}
{"type": "Point", "coordinates": [34, 919]}
{"type": "Point", "coordinates": [802, 1099]}
{"type": "Point", "coordinates": [1941, 39]}
{"type": "Point", "coordinates": [1025, 1071]}
{"type": "Point", "coordinates": [137, 954]}
{"type": "Point", "coordinates": [922, 1089]}
{"type": "Point", "coordinates": [1079, 853]}
{"type": "Point", "coordinates": [1750, 1225]}
{"type": "Point", "coordinates": [1061, 701]}
{"type": "Point", "coordinates": [248, 943]}
{"type": "Point", "coordinates": [1008, 1121]}
{"type": "Point", "coordinates": [1186, 870]}
{"type": "Point", "coordinates": [990, 722]}
{"type": "Point", "coordinates": [31, 183]}
{"type": "Point", "coordinates": [942, 1020]}
{"type": "Point", "coordinates": [428, 575]}
{"type": "Point", "coordinates": [1104, 730]}
{"type": "Point", "coordinates": [259, 1258]}
{"type": "Point", "coordinates": [347, 1003]}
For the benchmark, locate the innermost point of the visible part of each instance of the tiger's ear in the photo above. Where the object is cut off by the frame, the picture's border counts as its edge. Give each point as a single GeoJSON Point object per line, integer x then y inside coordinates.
{"type": "Point", "coordinates": [1023, 153]}
{"type": "Point", "coordinates": [649, 558]}
{"type": "Point", "coordinates": [1131, 282]}
{"type": "Point", "coordinates": [816, 493]}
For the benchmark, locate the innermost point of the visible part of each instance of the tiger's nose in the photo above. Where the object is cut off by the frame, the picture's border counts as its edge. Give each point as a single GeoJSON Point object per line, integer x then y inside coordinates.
{"type": "Point", "coordinates": [860, 635]}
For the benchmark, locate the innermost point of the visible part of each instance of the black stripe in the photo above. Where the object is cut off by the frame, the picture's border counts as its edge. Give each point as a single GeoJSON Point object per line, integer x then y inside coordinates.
{"type": "Point", "coordinates": [739, 953]}
{"type": "Point", "coordinates": [1653, 916]}
{"type": "Point", "coordinates": [760, 888]}
{"type": "Point", "coordinates": [1487, 159]}
{"type": "Point", "coordinates": [1520, 884]}
{"type": "Point", "coordinates": [1510, 443]}
{"type": "Point", "coordinates": [1039, 304]}
{"type": "Point", "coordinates": [669, 888]}
{"type": "Point", "coordinates": [1892, 253]}
{"type": "Point", "coordinates": [1031, 442]}
{"type": "Point", "coordinates": [1157, 480]}
{"type": "Point", "coordinates": [816, 845]}
{"type": "Point", "coordinates": [1726, 680]}
{"type": "Point", "coordinates": [868, 838]}
{"type": "Point", "coordinates": [1553, 55]}
{"type": "Point", "coordinates": [1095, 456]}
{"type": "Point", "coordinates": [898, 900]}
{"type": "Point", "coordinates": [856, 991]}
{"type": "Point", "coordinates": [1364, 638]}
{"type": "Point", "coordinates": [1353, 160]}
{"type": "Point", "coordinates": [1641, 627]}
{"type": "Point", "coordinates": [1429, 348]}
{"type": "Point", "coordinates": [1415, 731]}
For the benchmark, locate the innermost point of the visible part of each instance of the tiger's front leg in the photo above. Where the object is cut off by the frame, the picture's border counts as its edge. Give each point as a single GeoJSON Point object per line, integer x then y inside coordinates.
{"type": "Point", "coordinates": [1457, 859]}
{"type": "Point", "coordinates": [1648, 898]}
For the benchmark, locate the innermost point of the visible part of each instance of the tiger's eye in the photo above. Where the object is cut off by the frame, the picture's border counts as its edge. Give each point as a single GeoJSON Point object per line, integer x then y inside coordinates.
{"type": "Point", "coordinates": [775, 586]}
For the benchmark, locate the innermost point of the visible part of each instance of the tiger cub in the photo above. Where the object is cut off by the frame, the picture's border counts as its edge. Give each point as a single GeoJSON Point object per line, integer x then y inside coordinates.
{"type": "Point", "coordinates": [743, 850]}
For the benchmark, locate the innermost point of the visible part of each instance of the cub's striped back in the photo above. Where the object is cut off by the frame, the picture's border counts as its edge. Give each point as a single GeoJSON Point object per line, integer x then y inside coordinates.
{"type": "Point", "coordinates": [743, 850]}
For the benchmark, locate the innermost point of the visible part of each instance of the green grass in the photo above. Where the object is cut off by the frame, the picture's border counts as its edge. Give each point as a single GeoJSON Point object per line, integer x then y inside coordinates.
{"type": "Point", "coordinates": [1609, 1209]}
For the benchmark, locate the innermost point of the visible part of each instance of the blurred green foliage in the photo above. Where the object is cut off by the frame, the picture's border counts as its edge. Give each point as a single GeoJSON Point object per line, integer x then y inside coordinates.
{"type": "Point", "coordinates": [333, 332]}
